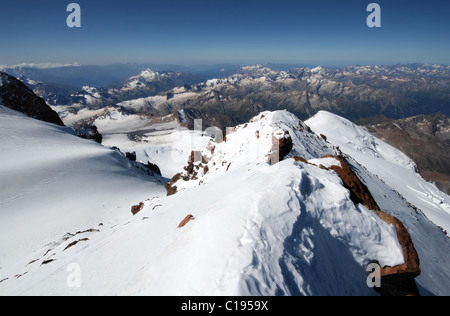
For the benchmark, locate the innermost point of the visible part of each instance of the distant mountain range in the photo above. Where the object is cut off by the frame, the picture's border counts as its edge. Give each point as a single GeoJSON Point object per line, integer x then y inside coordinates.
{"type": "Point", "coordinates": [355, 92]}
{"type": "Point", "coordinates": [228, 95]}
{"type": "Point", "coordinates": [76, 76]}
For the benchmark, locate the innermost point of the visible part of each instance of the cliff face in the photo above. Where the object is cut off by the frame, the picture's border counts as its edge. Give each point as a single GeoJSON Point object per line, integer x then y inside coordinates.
{"type": "Point", "coordinates": [15, 95]}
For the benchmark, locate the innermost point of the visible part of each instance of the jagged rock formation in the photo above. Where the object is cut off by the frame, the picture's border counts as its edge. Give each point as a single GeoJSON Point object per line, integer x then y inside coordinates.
{"type": "Point", "coordinates": [89, 132]}
{"type": "Point", "coordinates": [15, 95]}
{"type": "Point", "coordinates": [196, 163]}
{"type": "Point", "coordinates": [153, 168]}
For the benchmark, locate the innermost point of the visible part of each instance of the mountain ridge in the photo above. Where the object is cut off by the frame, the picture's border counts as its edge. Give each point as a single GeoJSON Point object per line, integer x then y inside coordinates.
{"type": "Point", "coordinates": [288, 228]}
{"type": "Point", "coordinates": [15, 95]}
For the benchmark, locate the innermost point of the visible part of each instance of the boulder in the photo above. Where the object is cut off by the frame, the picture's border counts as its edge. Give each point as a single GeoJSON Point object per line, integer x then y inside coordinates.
{"type": "Point", "coordinates": [186, 220]}
{"type": "Point", "coordinates": [153, 168]}
{"type": "Point", "coordinates": [137, 208]}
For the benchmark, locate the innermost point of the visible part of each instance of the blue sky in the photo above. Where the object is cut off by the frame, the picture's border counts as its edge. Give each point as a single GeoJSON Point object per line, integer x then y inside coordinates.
{"type": "Point", "coordinates": [327, 32]}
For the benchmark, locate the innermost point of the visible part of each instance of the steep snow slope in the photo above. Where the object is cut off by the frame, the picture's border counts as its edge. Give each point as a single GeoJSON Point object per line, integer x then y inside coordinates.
{"type": "Point", "coordinates": [433, 247]}
{"type": "Point", "coordinates": [259, 229]}
{"type": "Point", "coordinates": [53, 183]}
{"type": "Point", "coordinates": [389, 164]}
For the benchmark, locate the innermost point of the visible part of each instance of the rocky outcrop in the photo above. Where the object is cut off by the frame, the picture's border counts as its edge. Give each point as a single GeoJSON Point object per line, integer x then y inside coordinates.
{"type": "Point", "coordinates": [186, 220]}
{"type": "Point", "coordinates": [15, 95]}
{"type": "Point", "coordinates": [89, 132]}
{"type": "Point", "coordinates": [359, 193]}
{"type": "Point", "coordinates": [137, 208]}
{"type": "Point", "coordinates": [398, 280]}
{"type": "Point", "coordinates": [75, 242]}
{"type": "Point", "coordinates": [196, 163]}
{"type": "Point", "coordinates": [153, 168]}
{"type": "Point", "coordinates": [282, 146]}
{"type": "Point", "coordinates": [170, 186]}
{"type": "Point", "coordinates": [131, 156]}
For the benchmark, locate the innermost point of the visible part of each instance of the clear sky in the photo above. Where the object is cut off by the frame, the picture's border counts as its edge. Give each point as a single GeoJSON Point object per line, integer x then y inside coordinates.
{"type": "Point", "coordinates": [326, 32]}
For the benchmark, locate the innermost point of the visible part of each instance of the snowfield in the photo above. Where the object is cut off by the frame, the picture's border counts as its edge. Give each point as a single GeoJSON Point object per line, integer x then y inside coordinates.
{"type": "Point", "coordinates": [53, 183]}
{"type": "Point", "coordinates": [259, 229]}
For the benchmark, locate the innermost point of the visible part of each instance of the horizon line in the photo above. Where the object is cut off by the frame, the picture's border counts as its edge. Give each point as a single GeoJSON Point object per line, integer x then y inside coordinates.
{"type": "Point", "coordinates": [51, 65]}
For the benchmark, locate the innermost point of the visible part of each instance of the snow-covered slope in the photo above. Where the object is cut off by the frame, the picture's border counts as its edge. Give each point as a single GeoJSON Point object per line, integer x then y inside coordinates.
{"type": "Point", "coordinates": [259, 227]}
{"type": "Point", "coordinates": [400, 191]}
{"type": "Point", "coordinates": [389, 164]}
{"type": "Point", "coordinates": [53, 183]}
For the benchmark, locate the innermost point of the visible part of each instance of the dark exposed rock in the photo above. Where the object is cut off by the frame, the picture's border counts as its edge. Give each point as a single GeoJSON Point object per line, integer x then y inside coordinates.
{"type": "Point", "coordinates": [153, 168]}
{"type": "Point", "coordinates": [281, 147]}
{"type": "Point", "coordinates": [170, 186]}
{"type": "Point", "coordinates": [89, 132]}
{"type": "Point", "coordinates": [359, 193]}
{"type": "Point", "coordinates": [186, 220]}
{"type": "Point", "coordinates": [131, 156]}
{"type": "Point", "coordinates": [75, 242]}
{"type": "Point", "coordinates": [15, 95]}
{"type": "Point", "coordinates": [137, 208]}
{"type": "Point", "coordinates": [300, 159]}
{"type": "Point", "coordinates": [190, 171]}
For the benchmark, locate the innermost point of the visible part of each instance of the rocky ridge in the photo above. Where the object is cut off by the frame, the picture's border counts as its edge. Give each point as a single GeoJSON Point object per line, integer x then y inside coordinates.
{"type": "Point", "coordinates": [15, 95]}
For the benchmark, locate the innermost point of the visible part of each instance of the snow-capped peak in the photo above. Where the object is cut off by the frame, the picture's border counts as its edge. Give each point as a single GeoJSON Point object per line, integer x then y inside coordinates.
{"type": "Point", "coordinates": [149, 75]}
{"type": "Point", "coordinates": [252, 68]}
{"type": "Point", "coordinates": [318, 70]}
{"type": "Point", "coordinates": [255, 70]}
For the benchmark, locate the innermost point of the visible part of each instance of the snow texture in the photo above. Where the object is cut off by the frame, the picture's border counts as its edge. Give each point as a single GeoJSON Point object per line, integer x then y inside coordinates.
{"type": "Point", "coordinates": [284, 229]}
